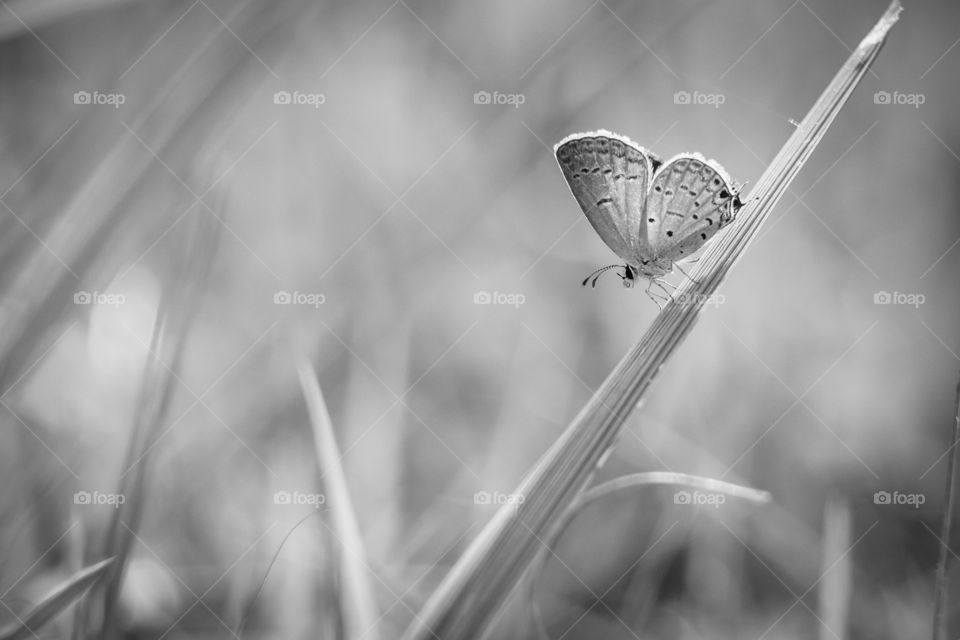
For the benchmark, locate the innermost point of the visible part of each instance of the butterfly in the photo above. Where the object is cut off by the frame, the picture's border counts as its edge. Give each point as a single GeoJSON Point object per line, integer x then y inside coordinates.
{"type": "Point", "coordinates": [651, 213]}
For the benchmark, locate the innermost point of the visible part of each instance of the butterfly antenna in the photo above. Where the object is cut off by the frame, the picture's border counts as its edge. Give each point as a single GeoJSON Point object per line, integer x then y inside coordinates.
{"type": "Point", "coordinates": [596, 275]}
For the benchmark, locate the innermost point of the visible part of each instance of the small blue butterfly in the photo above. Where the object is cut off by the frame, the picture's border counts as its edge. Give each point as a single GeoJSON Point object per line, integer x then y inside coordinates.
{"type": "Point", "coordinates": [650, 212]}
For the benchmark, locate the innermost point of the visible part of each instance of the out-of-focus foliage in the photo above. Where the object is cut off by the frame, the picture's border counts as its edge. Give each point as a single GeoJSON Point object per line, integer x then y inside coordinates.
{"type": "Point", "coordinates": [373, 196]}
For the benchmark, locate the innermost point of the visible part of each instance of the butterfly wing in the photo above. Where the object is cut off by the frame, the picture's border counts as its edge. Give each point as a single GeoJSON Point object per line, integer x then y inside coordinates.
{"type": "Point", "coordinates": [690, 199]}
{"type": "Point", "coordinates": [608, 175]}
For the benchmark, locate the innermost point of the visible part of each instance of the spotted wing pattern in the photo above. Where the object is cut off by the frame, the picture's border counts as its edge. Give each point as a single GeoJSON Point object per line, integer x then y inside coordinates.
{"type": "Point", "coordinates": [690, 199]}
{"type": "Point", "coordinates": [609, 176]}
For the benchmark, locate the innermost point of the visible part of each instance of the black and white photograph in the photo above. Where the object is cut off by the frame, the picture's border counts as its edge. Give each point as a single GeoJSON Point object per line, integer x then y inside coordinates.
{"type": "Point", "coordinates": [412, 320]}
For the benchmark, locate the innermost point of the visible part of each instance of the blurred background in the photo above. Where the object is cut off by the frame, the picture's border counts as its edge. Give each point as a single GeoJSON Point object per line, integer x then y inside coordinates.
{"type": "Point", "coordinates": [372, 186]}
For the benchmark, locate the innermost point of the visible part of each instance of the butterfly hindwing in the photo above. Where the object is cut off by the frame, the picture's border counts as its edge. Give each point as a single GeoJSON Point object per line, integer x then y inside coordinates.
{"type": "Point", "coordinates": [608, 175]}
{"type": "Point", "coordinates": [690, 199]}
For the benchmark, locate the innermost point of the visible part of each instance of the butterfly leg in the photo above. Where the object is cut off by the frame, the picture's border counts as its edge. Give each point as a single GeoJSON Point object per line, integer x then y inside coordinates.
{"type": "Point", "coordinates": [662, 284]}
{"type": "Point", "coordinates": [658, 299]}
{"type": "Point", "coordinates": [677, 265]}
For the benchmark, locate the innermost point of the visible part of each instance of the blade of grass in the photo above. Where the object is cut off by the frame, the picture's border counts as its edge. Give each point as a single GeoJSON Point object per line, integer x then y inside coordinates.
{"type": "Point", "coordinates": [631, 481]}
{"type": "Point", "coordinates": [248, 610]}
{"type": "Point", "coordinates": [99, 208]}
{"type": "Point", "coordinates": [836, 567]}
{"type": "Point", "coordinates": [175, 314]}
{"type": "Point", "coordinates": [476, 588]}
{"type": "Point", "coordinates": [358, 609]}
{"type": "Point", "coordinates": [940, 601]}
{"type": "Point", "coordinates": [34, 15]}
{"type": "Point", "coordinates": [65, 595]}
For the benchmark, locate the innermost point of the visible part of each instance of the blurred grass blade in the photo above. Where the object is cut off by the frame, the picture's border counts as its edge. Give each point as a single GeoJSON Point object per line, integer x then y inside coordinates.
{"type": "Point", "coordinates": [358, 610]}
{"type": "Point", "coordinates": [707, 485]}
{"type": "Point", "coordinates": [941, 589]}
{"type": "Point", "coordinates": [40, 287]}
{"type": "Point", "coordinates": [55, 603]}
{"type": "Point", "coordinates": [42, 14]}
{"type": "Point", "coordinates": [631, 481]}
{"type": "Point", "coordinates": [476, 588]}
{"type": "Point", "coordinates": [177, 308]}
{"type": "Point", "coordinates": [836, 567]}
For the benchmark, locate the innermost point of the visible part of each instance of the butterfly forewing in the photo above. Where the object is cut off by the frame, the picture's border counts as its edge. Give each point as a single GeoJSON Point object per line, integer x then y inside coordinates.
{"type": "Point", "coordinates": [690, 199]}
{"type": "Point", "coordinates": [609, 176]}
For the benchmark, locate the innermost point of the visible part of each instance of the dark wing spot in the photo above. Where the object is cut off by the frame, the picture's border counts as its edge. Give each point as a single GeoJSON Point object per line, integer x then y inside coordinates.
{"type": "Point", "coordinates": [716, 181]}
{"type": "Point", "coordinates": [669, 234]}
{"type": "Point", "coordinates": [695, 203]}
{"type": "Point", "coordinates": [669, 192]}
{"type": "Point", "coordinates": [604, 201]}
{"type": "Point", "coordinates": [724, 194]}
{"type": "Point", "coordinates": [703, 235]}
{"type": "Point", "coordinates": [696, 217]}
{"type": "Point", "coordinates": [657, 189]}
{"type": "Point", "coordinates": [607, 171]}
{"type": "Point", "coordinates": [651, 219]}
{"type": "Point", "coordinates": [709, 221]}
